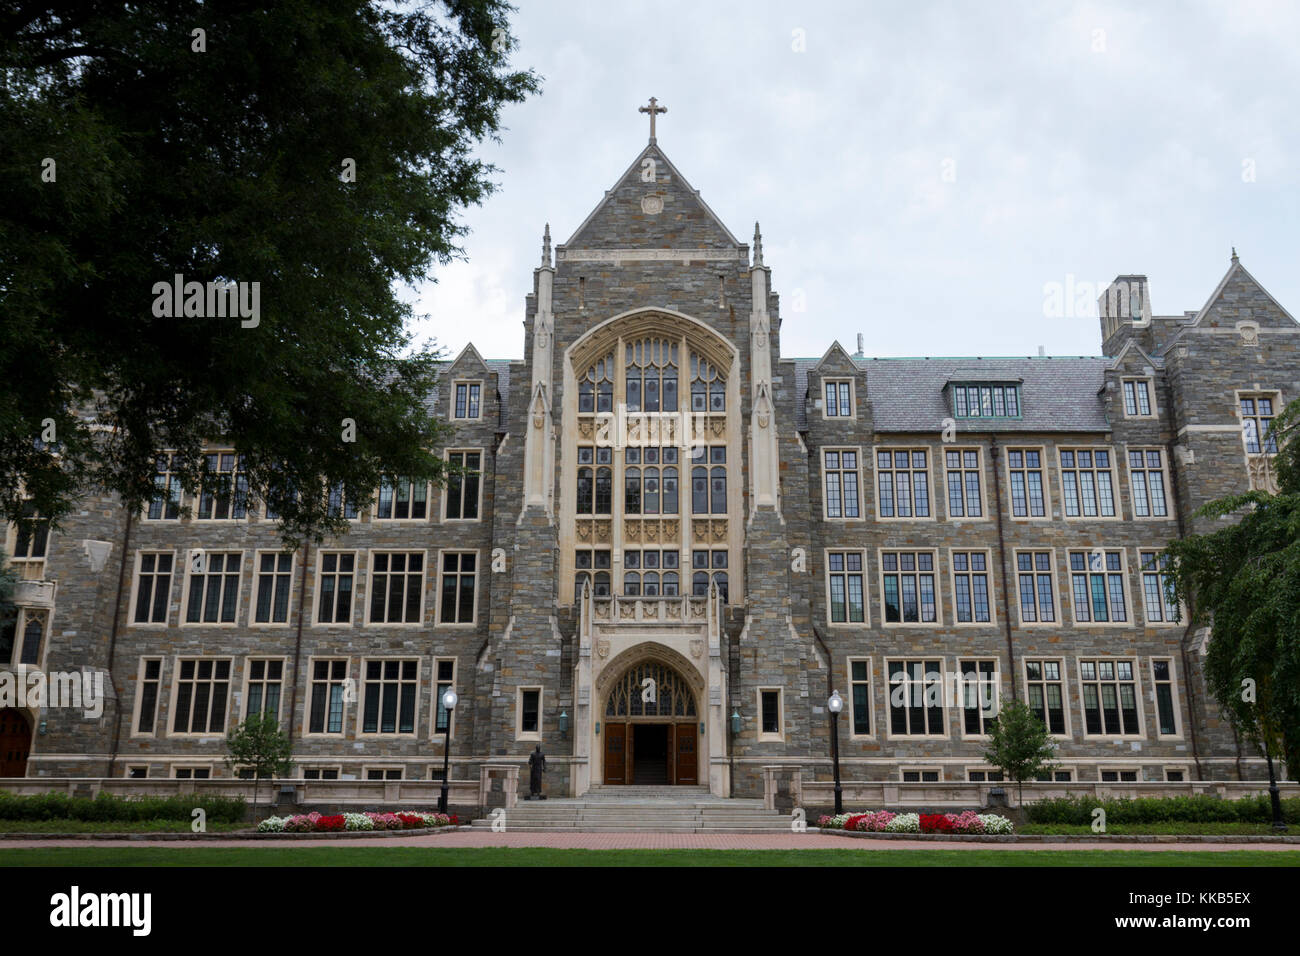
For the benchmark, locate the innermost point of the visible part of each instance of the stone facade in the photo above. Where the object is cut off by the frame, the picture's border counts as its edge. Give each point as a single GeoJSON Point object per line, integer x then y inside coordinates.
{"type": "Point", "coordinates": [653, 263]}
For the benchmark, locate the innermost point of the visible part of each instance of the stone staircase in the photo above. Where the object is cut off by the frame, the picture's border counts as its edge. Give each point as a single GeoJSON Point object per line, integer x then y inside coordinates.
{"type": "Point", "coordinates": [642, 809]}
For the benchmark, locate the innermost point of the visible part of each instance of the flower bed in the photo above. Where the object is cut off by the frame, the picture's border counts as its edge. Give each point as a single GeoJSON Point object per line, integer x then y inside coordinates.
{"type": "Point", "coordinates": [318, 823]}
{"type": "Point", "coordinates": [882, 821]}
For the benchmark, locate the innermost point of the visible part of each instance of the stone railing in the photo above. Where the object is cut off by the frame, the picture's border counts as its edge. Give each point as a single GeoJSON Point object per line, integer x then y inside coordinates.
{"type": "Point", "coordinates": [889, 794]}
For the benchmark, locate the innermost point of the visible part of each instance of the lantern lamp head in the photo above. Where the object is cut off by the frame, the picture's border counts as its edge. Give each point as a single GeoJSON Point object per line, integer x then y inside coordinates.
{"type": "Point", "coordinates": [836, 703]}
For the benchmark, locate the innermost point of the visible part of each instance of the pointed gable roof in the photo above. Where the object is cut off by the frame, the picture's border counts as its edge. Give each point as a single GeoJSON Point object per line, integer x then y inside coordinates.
{"type": "Point", "coordinates": [1231, 297]}
{"type": "Point", "coordinates": [620, 220]}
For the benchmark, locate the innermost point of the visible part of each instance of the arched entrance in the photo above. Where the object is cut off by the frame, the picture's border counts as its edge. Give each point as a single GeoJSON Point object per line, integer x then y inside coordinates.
{"type": "Point", "coordinates": [15, 743]}
{"type": "Point", "coordinates": [651, 727]}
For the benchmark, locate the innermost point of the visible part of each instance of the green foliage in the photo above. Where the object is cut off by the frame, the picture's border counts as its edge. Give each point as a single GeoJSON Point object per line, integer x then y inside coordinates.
{"type": "Point", "coordinates": [8, 580]}
{"type": "Point", "coordinates": [1244, 581]}
{"type": "Point", "coordinates": [1197, 808]}
{"type": "Point", "coordinates": [260, 745]}
{"type": "Point", "coordinates": [106, 807]}
{"type": "Point", "coordinates": [228, 164]}
{"type": "Point", "coordinates": [1019, 744]}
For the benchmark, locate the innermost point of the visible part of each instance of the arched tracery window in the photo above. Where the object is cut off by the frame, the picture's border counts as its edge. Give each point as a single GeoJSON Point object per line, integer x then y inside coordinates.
{"type": "Point", "coordinates": [672, 696]}
{"type": "Point", "coordinates": [596, 386]}
{"type": "Point", "coordinates": [650, 381]}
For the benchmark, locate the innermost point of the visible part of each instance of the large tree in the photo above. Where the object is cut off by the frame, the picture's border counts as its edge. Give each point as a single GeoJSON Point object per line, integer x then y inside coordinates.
{"type": "Point", "coordinates": [320, 149]}
{"type": "Point", "coordinates": [1243, 580]}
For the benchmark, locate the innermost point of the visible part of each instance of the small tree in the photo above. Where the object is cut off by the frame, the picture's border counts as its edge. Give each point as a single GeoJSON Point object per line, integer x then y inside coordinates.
{"type": "Point", "coordinates": [260, 745]}
{"type": "Point", "coordinates": [1019, 745]}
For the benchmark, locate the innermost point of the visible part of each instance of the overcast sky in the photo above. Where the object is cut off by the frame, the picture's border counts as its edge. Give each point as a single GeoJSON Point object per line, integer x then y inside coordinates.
{"type": "Point", "coordinates": [922, 171]}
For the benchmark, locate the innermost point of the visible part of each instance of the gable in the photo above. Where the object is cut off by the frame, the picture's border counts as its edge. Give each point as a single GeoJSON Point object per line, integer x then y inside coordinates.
{"type": "Point", "coordinates": [1240, 298]}
{"type": "Point", "coordinates": [666, 213]}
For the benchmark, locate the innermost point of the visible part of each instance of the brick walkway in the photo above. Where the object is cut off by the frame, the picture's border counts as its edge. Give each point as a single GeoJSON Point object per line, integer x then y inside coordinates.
{"type": "Point", "coordinates": [644, 841]}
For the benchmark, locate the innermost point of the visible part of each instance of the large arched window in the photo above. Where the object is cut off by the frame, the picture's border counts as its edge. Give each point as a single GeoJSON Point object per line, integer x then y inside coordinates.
{"type": "Point", "coordinates": [708, 386]}
{"type": "Point", "coordinates": [650, 689]}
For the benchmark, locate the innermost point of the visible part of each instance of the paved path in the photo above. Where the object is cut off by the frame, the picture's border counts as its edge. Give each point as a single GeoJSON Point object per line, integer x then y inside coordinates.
{"type": "Point", "coordinates": [643, 841]}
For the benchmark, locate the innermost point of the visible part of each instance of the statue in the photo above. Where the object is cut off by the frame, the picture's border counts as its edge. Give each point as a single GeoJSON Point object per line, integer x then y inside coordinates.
{"type": "Point", "coordinates": [536, 767]}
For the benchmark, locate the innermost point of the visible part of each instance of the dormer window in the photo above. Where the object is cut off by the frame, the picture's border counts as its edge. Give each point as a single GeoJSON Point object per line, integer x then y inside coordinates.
{"type": "Point", "coordinates": [985, 400]}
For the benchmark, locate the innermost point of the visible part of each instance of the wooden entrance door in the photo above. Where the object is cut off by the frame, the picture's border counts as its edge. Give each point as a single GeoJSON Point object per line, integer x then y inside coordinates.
{"type": "Point", "coordinates": [616, 755]}
{"type": "Point", "coordinates": [686, 762]}
{"type": "Point", "coordinates": [15, 743]}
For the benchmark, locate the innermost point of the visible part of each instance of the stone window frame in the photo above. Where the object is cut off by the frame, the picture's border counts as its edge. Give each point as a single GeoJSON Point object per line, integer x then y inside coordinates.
{"type": "Point", "coordinates": [1174, 700]}
{"type": "Point", "coordinates": [962, 469]}
{"type": "Point", "coordinates": [866, 587]}
{"type": "Point", "coordinates": [438, 576]}
{"type": "Point", "coordinates": [1057, 604]}
{"type": "Point", "coordinates": [1071, 774]}
{"type": "Point", "coordinates": [1134, 380]}
{"type": "Point", "coordinates": [198, 658]}
{"type": "Point", "coordinates": [1065, 689]}
{"type": "Point", "coordinates": [1181, 768]}
{"type": "Point", "coordinates": [384, 768]}
{"type": "Point", "coordinates": [246, 681]}
{"type": "Point", "coordinates": [921, 771]}
{"type": "Point", "coordinates": [27, 568]}
{"type": "Point", "coordinates": [767, 736]}
{"type": "Point", "coordinates": [1117, 505]}
{"type": "Point", "coordinates": [1125, 573]}
{"type": "Point", "coordinates": [309, 683]}
{"type": "Point", "coordinates": [189, 580]}
{"type": "Point", "coordinates": [175, 768]}
{"type": "Point", "coordinates": [520, 733]}
{"type": "Point", "coordinates": [136, 705]}
{"type": "Point", "coordinates": [135, 588]}
{"type": "Point", "coordinates": [319, 768]}
{"type": "Point", "coordinates": [255, 589]}
{"type": "Point", "coordinates": [1079, 681]}
{"type": "Point", "coordinates": [1044, 466]}
{"type": "Point", "coordinates": [929, 482]}
{"type": "Point", "coordinates": [435, 734]}
{"type": "Point", "coordinates": [412, 486]}
{"type": "Point", "coordinates": [1166, 488]}
{"type": "Point", "coordinates": [358, 577]}
{"type": "Point", "coordinates": [850, 660]}
{"type": "Point", "coordinates": [988, 573]}
{"type": "Point", "coordinates": [1142, 572]}
{"type": "Point", "coordinates": [237, 472]}
{"type": "Point", "coordinates": [452, 399]}
{"type": "Point", "coordinates": [886, 661]}
{"type": "Point", "coordinates": [422, 614]}
{"type": "Point", "coordinates": [445, 487]}
{"type": "Point", "coordinates": [362, 680]}
{"type": "Point", "coordinates": [129, 774]}
{"type": "Point", "coordinates": [838, 380]}
{"type": "Point", "coordinates": [184, 502]}
{"type": "Point", "coordinates": [985, 769]}
{"type": "Point", "coordinates": [1274, 395]}
{"type": "Point", "coordinates": [861, 483]}
{"type": "Point", "coordinates": [936, 573]}
{"type": "Point", "coordinates": [20, 623]}
{"type": "Point", "coordinates": [960, 705]}
{"type": "Point", "coordinates": [1119, 769]}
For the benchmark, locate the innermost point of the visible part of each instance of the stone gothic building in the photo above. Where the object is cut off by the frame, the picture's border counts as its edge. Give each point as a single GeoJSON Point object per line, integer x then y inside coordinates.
{"type": "Point", "coordinates": [678, 542]}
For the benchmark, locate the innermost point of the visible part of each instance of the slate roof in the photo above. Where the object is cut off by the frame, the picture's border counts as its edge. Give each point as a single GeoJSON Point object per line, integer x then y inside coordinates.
{"type": "Point", "coordinates": [1058, 393]}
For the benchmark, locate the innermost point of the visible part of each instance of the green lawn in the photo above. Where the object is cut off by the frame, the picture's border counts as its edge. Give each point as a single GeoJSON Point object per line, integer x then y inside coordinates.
{"type": "Point", "coordinates": [114, 826]}
{"type": "Point", "coordinates": [1176, 828]}
{"type": "Point", "coordinates": [191, 855]}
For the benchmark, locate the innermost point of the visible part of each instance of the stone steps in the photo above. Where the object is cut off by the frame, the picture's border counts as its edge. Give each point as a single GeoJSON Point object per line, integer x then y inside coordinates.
{"type": "Point", "coordinates": [643, 810]}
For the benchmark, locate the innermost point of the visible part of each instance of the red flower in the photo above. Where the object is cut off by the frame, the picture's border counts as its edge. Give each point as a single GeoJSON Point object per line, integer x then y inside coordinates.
{"type": "Point", "coordinates": [852, 822]}
{"type": "Point", "coordinates": [936, 823]}
{"type": "Point", "coordinates": [331, 824]}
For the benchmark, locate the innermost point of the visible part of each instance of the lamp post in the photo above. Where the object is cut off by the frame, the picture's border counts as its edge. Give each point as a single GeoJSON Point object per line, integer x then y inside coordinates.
{"type": "Point", "coordinates": [449, 702]}
{"type": "Point", "coordinates": [1279, 822]}
{"type": "Point", "coordinates": [836, 704]}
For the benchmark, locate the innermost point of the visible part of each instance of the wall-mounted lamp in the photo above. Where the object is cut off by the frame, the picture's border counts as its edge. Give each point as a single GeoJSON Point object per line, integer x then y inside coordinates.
{"type": "Point", "coordinates": [598, 728]}
{"type": "Point", "coordinates": [564, 723]}
{"type": "Point", "coordinates": [735, 721]}
{"type": "Point", "coordinates": [701, 728]}
{"type": "Point", "coordinates": [42, 728]}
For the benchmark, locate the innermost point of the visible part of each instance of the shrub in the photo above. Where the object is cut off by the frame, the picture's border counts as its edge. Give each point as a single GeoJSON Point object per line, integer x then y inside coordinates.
{"type": "Point", "coordinates": [109, 808]}
{"type": "Point", "coordinates": [1196, 808]}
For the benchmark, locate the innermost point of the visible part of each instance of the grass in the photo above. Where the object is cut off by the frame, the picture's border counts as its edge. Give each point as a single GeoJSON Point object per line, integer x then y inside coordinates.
{"type": "Point", "coordinates": [113, 826]}
{"type": "Point", "coordinates": [191, 855]}
{"type": "Point", "coordinates": [1174, 828]}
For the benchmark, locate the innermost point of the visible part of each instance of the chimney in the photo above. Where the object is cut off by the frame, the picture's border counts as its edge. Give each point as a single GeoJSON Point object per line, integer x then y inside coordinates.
{"type": "Point", "coordinates": [860, 353]}
{"type": "Point", "coordinates": [1042, 352]}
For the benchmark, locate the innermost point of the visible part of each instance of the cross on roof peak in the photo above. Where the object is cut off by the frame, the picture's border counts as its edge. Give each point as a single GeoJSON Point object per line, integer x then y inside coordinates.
{"type": "Point", "coordinates": [652, 109]}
